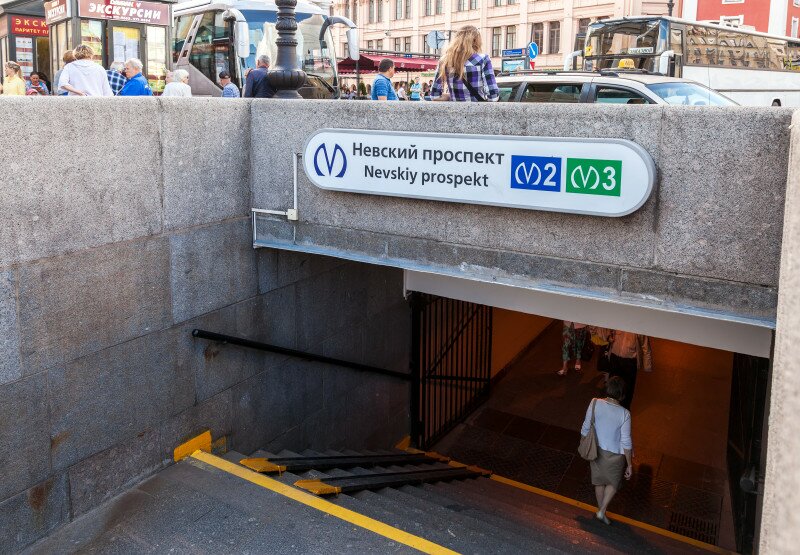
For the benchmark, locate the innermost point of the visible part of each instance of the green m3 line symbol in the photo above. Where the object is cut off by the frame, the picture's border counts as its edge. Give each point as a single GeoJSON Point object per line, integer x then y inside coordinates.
{"type": "Point", "coordinates": [594, 177]}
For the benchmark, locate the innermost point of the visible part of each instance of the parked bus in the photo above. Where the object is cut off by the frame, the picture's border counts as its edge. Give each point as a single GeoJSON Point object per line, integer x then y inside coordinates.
{"type": "Point", "coordinates": [212, 36]}
{"type": "Point", "coordinates": [752, 68]}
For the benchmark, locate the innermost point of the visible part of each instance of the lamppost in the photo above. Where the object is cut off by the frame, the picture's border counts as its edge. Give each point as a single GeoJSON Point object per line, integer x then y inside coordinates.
{"type": "Point", "coordinates": [285, 77]}
{"type": "Point", "coordinates": [670, 6]}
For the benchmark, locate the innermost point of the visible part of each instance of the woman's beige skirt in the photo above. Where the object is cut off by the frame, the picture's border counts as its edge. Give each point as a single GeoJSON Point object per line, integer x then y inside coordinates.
{"type": "Point", "coordinates": [607, 468]}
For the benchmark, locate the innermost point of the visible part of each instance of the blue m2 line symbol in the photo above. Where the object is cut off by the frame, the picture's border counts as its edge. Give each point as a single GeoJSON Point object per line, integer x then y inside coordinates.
{"type": "Point", "coordinates": [536, 173]}
{"type": "Point", "coordinates": [330, 161]}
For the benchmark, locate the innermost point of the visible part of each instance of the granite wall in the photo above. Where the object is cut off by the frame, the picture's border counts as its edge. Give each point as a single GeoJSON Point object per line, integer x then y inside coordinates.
{"type": "Point", "coordinates": [125, 227]}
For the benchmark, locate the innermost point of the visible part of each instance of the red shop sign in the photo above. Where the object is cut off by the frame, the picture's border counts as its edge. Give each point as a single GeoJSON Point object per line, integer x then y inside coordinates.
{"type": "Point", "coordinates": [30, 26]}
{"type": "Point", "coordinates": [125, 10]}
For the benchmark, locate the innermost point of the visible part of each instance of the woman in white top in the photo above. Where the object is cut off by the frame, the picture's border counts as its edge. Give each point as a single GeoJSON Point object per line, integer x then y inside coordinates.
{"type": "Point", "coordinates": [179, 86]}
{"type": "Point", "coordinates": [612, 424]}
{"type": "Point", "coordinates": [84, 77]}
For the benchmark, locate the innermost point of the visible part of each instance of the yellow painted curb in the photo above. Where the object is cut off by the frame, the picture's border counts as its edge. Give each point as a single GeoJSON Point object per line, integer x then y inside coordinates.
{"type": "Point", "coordinates": [395, 534]}
{"type": "Point", "coordinates": [201, 442]}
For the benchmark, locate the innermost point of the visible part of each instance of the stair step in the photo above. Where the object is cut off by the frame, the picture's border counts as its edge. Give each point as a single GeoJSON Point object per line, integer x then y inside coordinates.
{"type": "Point", "coordinates": [325, 462]}
{"type": "Point", "coordinates": [397, 478]}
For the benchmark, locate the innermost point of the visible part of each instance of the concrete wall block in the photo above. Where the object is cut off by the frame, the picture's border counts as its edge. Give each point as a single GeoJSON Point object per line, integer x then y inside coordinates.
{"type": "Point", "coordinates": [213, 414]}
{"type": "Point", "coordinates": [755, 301]}
{"type": "Point", "coordinates": [104, 475]}
{"type": "Point", "coordinates": [387, 337]}
{"type": "Point", "coordinates": [86, 201]}
{"type": "Point", "coordinates": [73, 305]}
{"type": "Point", "coordinates": [24, 435]}
{"type": "Point", "coordinates": [34, 513]}
{"type": "Point", "coordinates": [101, 400]}
{"type": "Point", "coordinates": [722, 198]}
{"type": "Point", "coordinates": [211, 268]}
{"type": "Point", "coordinates": [561, 271]}
{"type": "Point", "coordinates": [206, 166]}
{"type": "Point", "coordinates": [340, 239]}
{"type": "Point", "coordinates": [268, 318]}
{"type": "Point", "coordinates": [10, 366]}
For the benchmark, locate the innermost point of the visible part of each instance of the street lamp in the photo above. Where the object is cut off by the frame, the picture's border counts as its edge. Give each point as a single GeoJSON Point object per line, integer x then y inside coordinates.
{"type": "Point", "coordinates": [286, 77]}
{"type": "Point", "coordinates": [670, 6]}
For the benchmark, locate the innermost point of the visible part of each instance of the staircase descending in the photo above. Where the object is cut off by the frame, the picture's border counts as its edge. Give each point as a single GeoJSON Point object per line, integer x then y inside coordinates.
{"type": "Point", "coordinates": [453, 505]}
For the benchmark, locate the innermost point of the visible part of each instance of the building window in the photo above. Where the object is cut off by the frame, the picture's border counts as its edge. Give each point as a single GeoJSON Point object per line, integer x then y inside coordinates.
{"type": "Point", "coordinates": [583, 25]}
{"type": "Point", "coordinates": [796, 3]}
{"type": "Point", "coordinates": [397, 45]}
{"type": "Point", "coordinates": [497, 37]}
{"type": "Point", "coordinates": [537, 35]}
{"type": "Point", "coordinates": [511, 2]}
{"type": "Point", "coordinates": [461, 5]}
{"type": "Point", "coordinates": [369, 45]}
{"type": "Point", "coordinates": [428, 7]}
{"type": "Point", "coordinates": [439, 7]}
{"type": "Point", "coordinates": [732, 20]}
{"type": "Point", "coordinates": [379, 44]}
{"type": "Point", "coordinates": [408, 9]}
{"type": "Point", "coordinates": [407, 44]}
{"type": "Point", "coordinates": [795, 23]}
{"type": "Point", "coordinates": [355, 11]}
{"type": "Point", "coordinates": [398, 9]}
{"type": "Point", "coordinates": [498, 2]}
{"type": "Point", "coordinates": [379, 13]}
{"type": "Point", "coordinates": [371, 13]}
{"type": "Point", "coordinates": [473, 4]}
{"type": "Point", "coordinates": [347, 9]}
{"type": "Point", "coordinates": [511, 37]}
{"type": "Point", "coordinates": [554, 37]}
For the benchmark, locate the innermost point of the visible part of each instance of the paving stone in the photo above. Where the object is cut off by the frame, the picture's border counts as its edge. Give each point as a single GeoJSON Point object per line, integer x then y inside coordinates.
{"type": "Point", "coordinates": [103, 399]}
{"type": "Point", "coordinates": [24, 434]}
{"type": "Point", "coordinates": [33, 514]}
{"type": "Point", "coordinates": [73, 305]}
{"type": "Point", "coordinates": [211, 268]}
{"type": "Point", "coordinates": [10, 367]}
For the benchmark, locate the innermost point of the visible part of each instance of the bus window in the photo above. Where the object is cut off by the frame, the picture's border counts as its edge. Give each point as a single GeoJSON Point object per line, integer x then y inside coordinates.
{"type": "Point", "coordinates": [701, 45]}
{"type": "Point", "coordinates": [730, 48]}
{"type": "Point", "coordinates": [793, 56]}
{"type": "Point", "coordinates": [676, 45]}
{"type": "Point", "coordinates": [212, 46]}
{"type": "Point", "coordinates": [776, 51]}
{"type": "Point", "coordinates": [182, 26]}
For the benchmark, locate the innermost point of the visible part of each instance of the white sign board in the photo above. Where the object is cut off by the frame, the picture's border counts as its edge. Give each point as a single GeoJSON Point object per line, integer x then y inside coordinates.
{"type": "Point", "coordinates": [600, 177]}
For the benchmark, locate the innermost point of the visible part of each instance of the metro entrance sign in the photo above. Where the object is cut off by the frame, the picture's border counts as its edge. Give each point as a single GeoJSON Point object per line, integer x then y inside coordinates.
{"type": "Point", "coordinates": [599, 177]}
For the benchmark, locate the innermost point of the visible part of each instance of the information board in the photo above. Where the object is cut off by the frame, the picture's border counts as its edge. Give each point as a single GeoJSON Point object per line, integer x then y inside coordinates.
{"type": "Point", "coordinates": [599, 176]}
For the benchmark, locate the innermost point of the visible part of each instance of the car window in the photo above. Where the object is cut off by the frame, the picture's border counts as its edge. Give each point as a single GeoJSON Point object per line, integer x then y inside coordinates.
{"type": "Point", "coordinates": [552, 92]}
{"type": "Point", "coordinates": [611, 95]}
{"type": "Point", "coordinates": [508, 91]}
{"type": "Point", "coordinates": [689, 94]}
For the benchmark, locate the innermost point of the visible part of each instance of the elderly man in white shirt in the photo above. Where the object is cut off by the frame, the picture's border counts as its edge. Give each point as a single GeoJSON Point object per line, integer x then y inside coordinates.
{"type": "Point", "coordinates": [84, 77]}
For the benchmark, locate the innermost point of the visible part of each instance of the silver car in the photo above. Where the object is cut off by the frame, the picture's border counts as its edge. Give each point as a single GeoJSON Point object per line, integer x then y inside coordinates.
{"type": "Point", "coordinates": [606, 87]}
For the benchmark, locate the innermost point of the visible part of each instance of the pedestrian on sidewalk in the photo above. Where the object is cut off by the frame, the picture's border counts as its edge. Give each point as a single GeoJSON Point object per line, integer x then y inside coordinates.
{"type": "Point", "coordinates": [136, 85]}
{"type": "Point", "coordinates": [630, 352]}
{"type": "Point", "coordinates": [84, 77]}
{"type": "Point", "coordinates": [116, 77]}
{"type": "Point", "coordinates": [382, 88]}
{"type": "Point", "coordinates": [229, 90]}
{"type": "Point", "coordinates": [257, 81]}
{"type": "Point", "coordinates": [179, 86]}
{"type": "Point", "coordinates": [67, 58]}
{"type": "Point", "coordinates": [612, 424]}
{"type": "Point", "coordinates": [416, 88]}
{"type": "Point", "coordinates": [14, 83]}
{"type": "Point", "coordinates": [574, 336]}
{"type": "Point", "coordinates": [465, 74]}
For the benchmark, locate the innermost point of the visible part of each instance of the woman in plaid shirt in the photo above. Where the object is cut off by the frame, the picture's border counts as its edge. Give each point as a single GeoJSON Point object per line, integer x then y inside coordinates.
{"type": "Point", "coordinates": [467, 72]}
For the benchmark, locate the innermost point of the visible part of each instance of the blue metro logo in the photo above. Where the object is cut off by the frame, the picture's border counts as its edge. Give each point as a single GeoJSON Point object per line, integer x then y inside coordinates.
{"type": "Point", "coordinates": [536, 173]}
{"type": "Point", "coordinates": [330, 161]}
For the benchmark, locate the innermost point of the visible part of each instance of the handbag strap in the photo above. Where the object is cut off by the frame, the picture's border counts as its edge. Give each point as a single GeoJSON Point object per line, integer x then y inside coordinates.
{"type": "Point", "coordinates": [472, 90]}
{"type": "Point", "coordinates": [594, 402]}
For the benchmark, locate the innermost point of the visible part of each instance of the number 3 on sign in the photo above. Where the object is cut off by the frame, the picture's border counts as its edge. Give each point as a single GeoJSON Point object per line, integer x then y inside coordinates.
{"type": "Point", "coordinates": [594, 177]}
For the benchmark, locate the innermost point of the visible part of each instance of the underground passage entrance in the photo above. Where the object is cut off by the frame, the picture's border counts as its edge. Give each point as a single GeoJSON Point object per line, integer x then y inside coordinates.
{"type": "Point", "coordinates": [487, 393]}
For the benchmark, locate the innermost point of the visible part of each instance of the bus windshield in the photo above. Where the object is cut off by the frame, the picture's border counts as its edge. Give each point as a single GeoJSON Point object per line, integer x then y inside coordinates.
{"type": "Point", "coordinates": [639, 40]}
{"type": "Point", "coordinates": [314, 60]}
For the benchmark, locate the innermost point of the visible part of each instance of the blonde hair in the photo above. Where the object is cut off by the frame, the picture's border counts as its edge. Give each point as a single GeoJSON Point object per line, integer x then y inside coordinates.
{"type": "Point", "coordinates": [83, 51]}
{"type": "Point", "coordinates": [14, 66]}
{"type": "Point", "coordinates": [466, 43]}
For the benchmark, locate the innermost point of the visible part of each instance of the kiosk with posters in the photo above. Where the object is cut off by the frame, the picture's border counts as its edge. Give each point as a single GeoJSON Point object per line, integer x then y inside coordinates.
{"type": "Point", "coordinates": [117, 30]}
{"type": "Point", "coordinates": [24, 36]}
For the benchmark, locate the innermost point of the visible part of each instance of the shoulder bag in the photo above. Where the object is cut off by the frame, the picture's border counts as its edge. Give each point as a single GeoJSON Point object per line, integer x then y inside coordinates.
{"type": "Point", "coordinates": [587, 448]}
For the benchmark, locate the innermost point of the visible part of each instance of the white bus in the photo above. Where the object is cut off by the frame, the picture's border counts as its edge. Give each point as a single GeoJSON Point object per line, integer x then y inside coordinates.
{"type": "Point", "coordinates": [752, 68]}
{"type": "Point", "coordinates": [212, 36]}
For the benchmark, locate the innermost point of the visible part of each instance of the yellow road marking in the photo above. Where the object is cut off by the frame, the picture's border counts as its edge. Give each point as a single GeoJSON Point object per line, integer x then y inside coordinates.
{"type": "Point", "coordinates": [314, 502]}
{"type": "Point", "coordinates": [202, 442]}
{"type": "Point", "coordinates": [619, 518]}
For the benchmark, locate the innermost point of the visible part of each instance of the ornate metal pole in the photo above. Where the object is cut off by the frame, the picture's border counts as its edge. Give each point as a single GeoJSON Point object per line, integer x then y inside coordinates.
{"type": "Point", "coordinates": [670, 6]}
{"type": "Point", "coordinates": [285, 77]}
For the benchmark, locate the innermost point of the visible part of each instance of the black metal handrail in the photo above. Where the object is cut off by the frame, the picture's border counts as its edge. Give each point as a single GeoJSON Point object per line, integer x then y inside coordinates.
{"type": "Point", "coordinates": [203, 334]}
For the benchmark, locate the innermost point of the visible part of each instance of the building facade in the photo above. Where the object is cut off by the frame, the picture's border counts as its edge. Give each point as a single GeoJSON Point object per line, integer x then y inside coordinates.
{"type": "Point", "coordinates": [402, 25]}
{"type": "Point", "coordinates": [778, 17]}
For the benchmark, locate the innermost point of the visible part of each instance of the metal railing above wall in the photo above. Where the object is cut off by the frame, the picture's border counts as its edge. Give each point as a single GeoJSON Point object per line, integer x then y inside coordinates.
{"type": "Point", "coordinates": [249, 343]}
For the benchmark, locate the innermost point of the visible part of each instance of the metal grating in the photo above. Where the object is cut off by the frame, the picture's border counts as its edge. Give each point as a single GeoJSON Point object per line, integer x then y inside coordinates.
{"type": "Point", "coordinates": [692, 527]}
